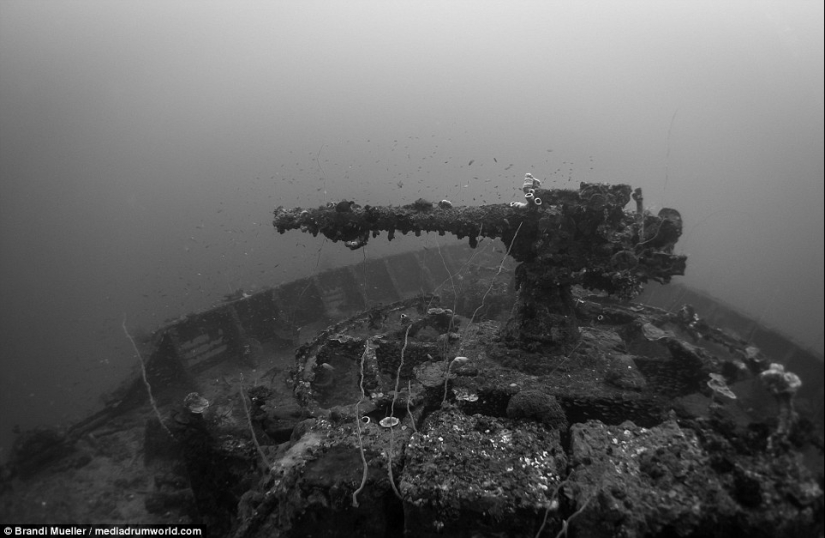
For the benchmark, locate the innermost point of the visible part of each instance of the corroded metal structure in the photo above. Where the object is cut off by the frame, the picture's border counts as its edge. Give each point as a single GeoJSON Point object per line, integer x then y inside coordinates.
{"type": "Point", "coordinates": [414, 405]}
{"type": "Point", "coordinates": [561, 238]}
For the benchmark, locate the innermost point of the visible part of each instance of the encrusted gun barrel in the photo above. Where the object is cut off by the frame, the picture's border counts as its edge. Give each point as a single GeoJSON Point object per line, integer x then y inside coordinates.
{"type": "Point", "coordinates": [583, 237]}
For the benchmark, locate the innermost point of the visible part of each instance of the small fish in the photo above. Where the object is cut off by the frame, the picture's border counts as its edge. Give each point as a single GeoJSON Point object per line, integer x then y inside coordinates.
{"type": "Point", "coordinates": [495, 160]}
{"type": "Point", "coordinates": [471, 162]}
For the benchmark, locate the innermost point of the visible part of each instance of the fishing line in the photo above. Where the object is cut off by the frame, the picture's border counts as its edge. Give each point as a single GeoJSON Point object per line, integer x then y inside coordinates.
{"type": "Point", "coordinates": [452, 282]}
{"type": "Point", "coordinates": [261, 452]}
{"type": "Point", "coordinates": [465, 266]}
{"type": "Point", "coordinates": [146, 379]}
{"type": "Point", "coordinates": [366, 300]}
{"type": "Point", "coordinates": [292, 315]}
{"type": "Point", "coordinates": [323, 173]}
{"type": "Point", "coordinates": [492, 281]}
{"type": "Point", "coordinates": [687, 235]}
{"type": "Point", "coordinates": [463, 336]}
{"type": "Point", "coordinates": [363, 397]}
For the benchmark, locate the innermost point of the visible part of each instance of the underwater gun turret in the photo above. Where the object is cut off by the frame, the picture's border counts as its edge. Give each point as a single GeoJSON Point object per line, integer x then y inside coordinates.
{"type": "Point", "coordinates": [561, 237]}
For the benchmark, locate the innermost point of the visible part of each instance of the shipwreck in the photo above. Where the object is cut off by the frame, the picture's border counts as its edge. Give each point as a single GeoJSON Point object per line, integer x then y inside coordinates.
{"type": "Point", "coordinates": [524, 390]}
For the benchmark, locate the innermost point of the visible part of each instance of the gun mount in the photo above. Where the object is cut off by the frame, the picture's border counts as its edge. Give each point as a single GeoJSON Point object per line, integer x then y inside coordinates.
{"type": "Point", "coordinates": [398, 423]}
{"type": "Point", "coordinates": [561, 238]}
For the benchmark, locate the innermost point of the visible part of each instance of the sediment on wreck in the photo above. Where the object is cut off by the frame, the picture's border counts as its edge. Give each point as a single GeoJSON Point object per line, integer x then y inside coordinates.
{"type": "Point", "coordinates": [416, 407]}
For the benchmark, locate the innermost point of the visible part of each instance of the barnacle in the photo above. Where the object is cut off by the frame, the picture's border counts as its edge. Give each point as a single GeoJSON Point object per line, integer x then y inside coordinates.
{"type": "Point", "coordinates": [388, 422]}
{"type": "Point", "coordinates": [356, 243]}
{"type": "Point", "coordinates": [195, 403]}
